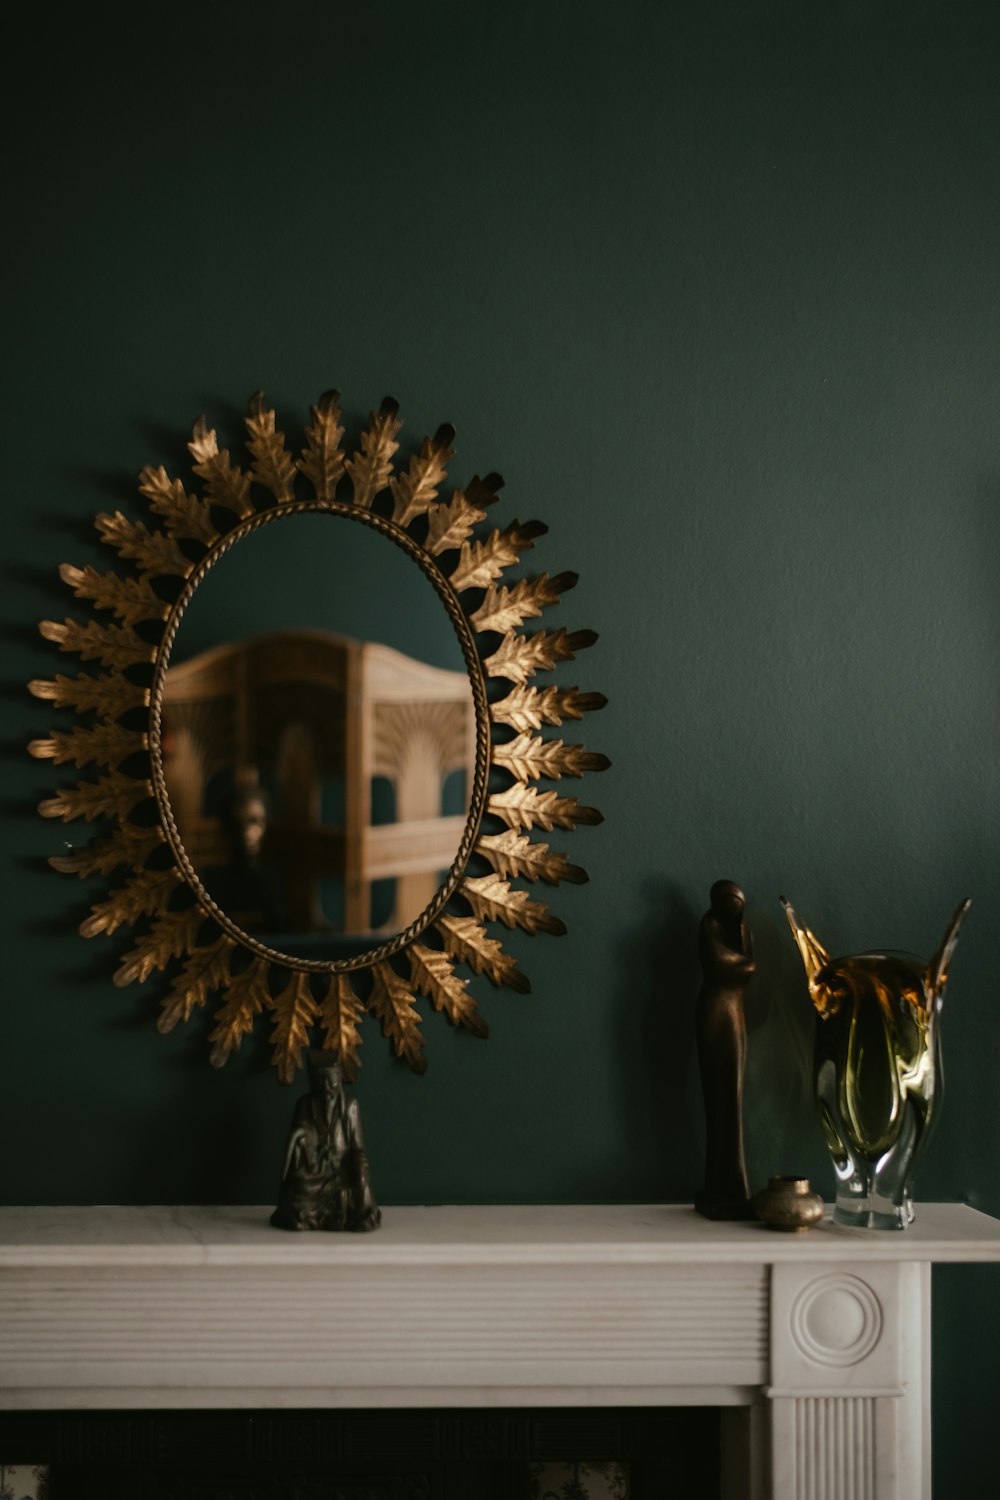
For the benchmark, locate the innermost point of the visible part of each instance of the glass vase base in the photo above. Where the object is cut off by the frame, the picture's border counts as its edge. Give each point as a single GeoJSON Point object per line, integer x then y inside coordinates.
{"type": "Point", "coordinates": [872, 1213]}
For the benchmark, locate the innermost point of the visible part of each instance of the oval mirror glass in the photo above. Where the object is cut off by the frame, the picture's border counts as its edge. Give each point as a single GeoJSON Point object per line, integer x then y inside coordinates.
{"type": "Point", "coordinates": [318, 736]}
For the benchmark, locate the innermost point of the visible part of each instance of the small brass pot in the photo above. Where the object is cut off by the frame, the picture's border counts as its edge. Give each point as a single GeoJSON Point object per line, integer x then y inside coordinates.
{"type": "Point", "coordinates": [788, 1203]}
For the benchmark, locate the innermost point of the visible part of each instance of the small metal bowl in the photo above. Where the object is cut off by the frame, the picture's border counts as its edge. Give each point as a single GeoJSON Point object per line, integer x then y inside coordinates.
{"type": "Point", "coordinates": [788, 1203]}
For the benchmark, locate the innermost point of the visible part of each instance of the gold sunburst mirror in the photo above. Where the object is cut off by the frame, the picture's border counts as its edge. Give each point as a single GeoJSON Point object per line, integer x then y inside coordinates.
{"type": "Point", "coordinates": [237, 770]}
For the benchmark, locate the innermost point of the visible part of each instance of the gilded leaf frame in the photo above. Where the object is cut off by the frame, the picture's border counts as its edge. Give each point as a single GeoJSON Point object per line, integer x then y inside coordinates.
{"type": "Point", "coordinates": [134, 620]}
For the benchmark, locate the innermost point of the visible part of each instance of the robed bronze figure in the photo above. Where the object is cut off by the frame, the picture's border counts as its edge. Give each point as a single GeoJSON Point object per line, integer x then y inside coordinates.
{"type": "Point", "coordinates": [727, 962]}
{"type": "Point", "coordinates": [326, 1182]}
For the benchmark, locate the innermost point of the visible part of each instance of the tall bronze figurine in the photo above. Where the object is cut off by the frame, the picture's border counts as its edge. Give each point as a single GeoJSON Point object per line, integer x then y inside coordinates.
{"type": "Point", "coordinates": [726, 951]}
{"type": "Point", "coordinates": [326, 1182]}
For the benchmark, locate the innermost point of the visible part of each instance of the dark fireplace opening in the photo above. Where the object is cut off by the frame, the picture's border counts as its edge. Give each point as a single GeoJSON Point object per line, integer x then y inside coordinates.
{"type": "Point", "coordinates": [639, 1453]}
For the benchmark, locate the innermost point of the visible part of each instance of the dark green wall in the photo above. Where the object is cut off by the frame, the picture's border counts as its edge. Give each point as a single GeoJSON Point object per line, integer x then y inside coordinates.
{"type": "Point", "coordinates": [715, 287]}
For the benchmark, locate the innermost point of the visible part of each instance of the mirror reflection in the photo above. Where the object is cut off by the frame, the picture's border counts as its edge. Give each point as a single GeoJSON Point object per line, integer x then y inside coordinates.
{"type": "Point", "coordinates": [318, 736]}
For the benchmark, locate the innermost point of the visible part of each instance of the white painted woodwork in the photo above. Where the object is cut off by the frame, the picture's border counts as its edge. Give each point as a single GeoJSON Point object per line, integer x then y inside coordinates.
{"type": "Point", "coordinates": [822, 1338]}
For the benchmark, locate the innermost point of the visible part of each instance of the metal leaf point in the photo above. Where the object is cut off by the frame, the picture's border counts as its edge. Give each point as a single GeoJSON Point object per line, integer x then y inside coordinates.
{"type": "Point", "coordinates": [467, 940]}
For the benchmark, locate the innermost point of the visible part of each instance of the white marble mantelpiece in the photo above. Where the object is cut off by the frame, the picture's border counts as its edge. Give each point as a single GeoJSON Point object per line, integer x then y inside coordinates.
{"type": "Point", "coordinates": [817, 1344]}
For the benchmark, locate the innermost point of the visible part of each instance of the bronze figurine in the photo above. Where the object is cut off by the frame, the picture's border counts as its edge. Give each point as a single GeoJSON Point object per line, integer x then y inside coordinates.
{"type": "Point", "coordinates": [326, 1183]}
{"type": "Point", "coordinates": [726, 950]}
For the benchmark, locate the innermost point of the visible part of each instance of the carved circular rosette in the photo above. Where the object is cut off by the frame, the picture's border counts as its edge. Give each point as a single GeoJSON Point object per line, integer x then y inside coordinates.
{"type": "Point", "coordinates": [134, 619]}
{"type": "Point", "coordinates": [836, 1320]}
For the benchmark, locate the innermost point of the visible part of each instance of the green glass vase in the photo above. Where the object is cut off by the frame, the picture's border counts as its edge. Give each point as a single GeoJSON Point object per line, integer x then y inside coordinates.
{"type": "Point", "coordinates": [876, 1068]}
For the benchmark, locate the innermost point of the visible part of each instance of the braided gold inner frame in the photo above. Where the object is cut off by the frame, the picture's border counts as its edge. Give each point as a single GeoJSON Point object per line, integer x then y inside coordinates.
{"type": "Point", "coordinates": [477, 800]}
{"type": "Point", "coordinates": [180, 929]}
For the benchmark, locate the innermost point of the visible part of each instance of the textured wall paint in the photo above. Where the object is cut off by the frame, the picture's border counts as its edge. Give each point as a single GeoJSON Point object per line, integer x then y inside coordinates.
{"type": "Point", "coordinates": [715, 288]}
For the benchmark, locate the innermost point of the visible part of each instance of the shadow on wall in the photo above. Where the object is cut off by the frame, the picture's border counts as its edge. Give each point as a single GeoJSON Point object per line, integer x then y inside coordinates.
{"type": "Point", "coordinates": [655, 1048]}
{"type": "Point", "coordinates": [188, 1159]}
{"type": "Point", "coordinates": [660, 1089]}
{"type": "Point", "coordinates": [781, 1128]}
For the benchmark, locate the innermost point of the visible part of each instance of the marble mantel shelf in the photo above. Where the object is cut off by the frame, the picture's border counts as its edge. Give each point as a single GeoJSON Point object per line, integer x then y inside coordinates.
{"type": "Point", "coordinates": [670, 1234]}
{"type": "Point", "coordinates": [817, 1345]}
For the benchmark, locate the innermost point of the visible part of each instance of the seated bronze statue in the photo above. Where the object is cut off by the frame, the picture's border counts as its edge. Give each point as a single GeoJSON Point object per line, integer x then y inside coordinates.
{"type": "Point", "coordinates": [326, 1183]}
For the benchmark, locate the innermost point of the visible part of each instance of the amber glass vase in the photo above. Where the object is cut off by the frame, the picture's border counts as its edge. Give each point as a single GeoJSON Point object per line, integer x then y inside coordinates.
{"type": "Point", "coordinates": [877, 1069]}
